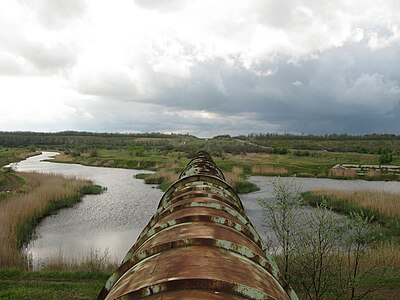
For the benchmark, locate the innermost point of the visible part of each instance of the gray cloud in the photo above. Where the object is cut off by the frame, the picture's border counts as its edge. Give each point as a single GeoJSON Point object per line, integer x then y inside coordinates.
{"type": "Point", "coordinates": [340, 92]}
{"type": "Point", "coordinates": [298, 66]}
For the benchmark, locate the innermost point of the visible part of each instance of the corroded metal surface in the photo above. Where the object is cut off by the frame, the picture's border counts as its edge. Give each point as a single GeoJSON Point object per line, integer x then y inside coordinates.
{"type": "Point", "coordinates": [198, 245]}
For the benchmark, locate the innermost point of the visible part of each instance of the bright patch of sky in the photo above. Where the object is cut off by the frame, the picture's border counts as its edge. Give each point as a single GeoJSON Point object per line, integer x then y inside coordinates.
{"type": "Point", "coordinates": [201, 67]}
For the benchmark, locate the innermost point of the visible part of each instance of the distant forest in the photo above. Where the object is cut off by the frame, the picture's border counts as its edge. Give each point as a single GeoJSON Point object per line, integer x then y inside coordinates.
{"type": "Point", "coordinates": [254, 142]}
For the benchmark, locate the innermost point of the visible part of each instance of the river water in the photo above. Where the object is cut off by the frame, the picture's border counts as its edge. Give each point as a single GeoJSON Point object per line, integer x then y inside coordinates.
{"type": "Point", "coordinates": [110, 221]}
{"type": "Point", "coordinates": [113, 220]}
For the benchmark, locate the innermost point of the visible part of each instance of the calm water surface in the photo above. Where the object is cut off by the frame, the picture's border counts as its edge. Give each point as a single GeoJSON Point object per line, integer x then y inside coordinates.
{"type": "Point", "coordinates": [253, 209]}
{"type": "Point", "coordinates": [114, 219]}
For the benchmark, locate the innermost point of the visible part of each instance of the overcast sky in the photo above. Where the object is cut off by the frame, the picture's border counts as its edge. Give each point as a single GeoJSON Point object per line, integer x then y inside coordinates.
{"type": "Point", "coordinates": [203, 67]}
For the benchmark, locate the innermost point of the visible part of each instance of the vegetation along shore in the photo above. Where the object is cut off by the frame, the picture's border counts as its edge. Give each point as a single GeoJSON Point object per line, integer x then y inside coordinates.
{"type": "Point", "coordinates": [333, 156]}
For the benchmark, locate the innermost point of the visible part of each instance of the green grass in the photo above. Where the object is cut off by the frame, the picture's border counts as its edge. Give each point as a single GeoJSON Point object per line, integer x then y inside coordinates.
{"type": "Point", "coordinates": [226, 156]}
{"type": "Point", "coordinates": [9, 155]}
{"type": "Point", "coordinates": [15, 284]}
{"type": "Point", "coordinates": [142, 175]}
{"type": "Point", "coordinates": [245, 187]}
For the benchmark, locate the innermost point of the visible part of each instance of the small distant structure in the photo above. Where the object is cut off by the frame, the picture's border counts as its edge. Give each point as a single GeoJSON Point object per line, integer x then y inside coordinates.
{"type": "Point", "coordinates": [365, 170]}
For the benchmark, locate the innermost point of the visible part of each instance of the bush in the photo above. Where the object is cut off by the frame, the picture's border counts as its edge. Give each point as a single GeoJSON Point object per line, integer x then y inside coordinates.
{"type": "Point", "coordinates": [280, 150]}
{"type": "Point", "coordinates": [245, 187]}
{"type": "Point", "coordinates": [385, 158]}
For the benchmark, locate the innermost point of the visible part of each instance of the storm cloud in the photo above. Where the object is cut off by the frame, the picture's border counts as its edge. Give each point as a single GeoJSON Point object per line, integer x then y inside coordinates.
{"type": "Point", "coordinates": [200, 67]}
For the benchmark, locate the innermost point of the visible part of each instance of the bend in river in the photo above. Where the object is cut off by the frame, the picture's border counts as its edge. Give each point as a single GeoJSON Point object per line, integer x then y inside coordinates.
{"type": "Point", "coordinates": [111, 220]}
{"type": "Point", "coordinates": [114, 219]}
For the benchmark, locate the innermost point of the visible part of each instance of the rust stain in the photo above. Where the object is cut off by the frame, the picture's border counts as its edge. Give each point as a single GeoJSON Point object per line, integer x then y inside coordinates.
{"type": "Point", "coordinates": [198, 245]}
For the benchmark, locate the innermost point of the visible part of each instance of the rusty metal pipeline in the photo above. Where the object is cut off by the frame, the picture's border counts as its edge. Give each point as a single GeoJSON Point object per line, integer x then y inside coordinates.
{"type": "Point", "coordinates": [198, 245]}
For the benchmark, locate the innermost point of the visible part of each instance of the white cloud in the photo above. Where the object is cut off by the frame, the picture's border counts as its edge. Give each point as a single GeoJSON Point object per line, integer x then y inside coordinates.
{"type": "Point", "coordinates": [90, 63]}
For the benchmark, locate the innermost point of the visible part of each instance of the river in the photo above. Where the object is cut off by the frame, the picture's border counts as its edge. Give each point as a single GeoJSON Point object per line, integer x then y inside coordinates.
{"type": "Point", "coordinates": [113, 220]}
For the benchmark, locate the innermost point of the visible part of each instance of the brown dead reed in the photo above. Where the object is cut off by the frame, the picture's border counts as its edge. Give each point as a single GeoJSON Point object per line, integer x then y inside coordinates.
{"type": "Point", "coordinates": [268, 170]}
{"type": "Point", "coordinates": [384, 202]}
{"type": "Point", "coordinates": [95, 260]}
{"type": "Point", "coordinates": [27, 204]}
{"type": "Point", "coordinates": [234, 176]}
{"type": "Point", "coordinates": [343, 173]}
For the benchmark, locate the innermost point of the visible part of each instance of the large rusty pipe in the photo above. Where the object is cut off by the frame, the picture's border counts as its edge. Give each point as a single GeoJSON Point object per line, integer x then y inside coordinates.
{"type": "Point", "coordinates": [198, 245]}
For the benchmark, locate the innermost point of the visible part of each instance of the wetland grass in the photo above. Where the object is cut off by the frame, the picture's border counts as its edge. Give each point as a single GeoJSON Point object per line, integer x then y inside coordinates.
{"type": "Point", "coordinates": [21, 212]}
{"type": "Point", "coordinates": [384, 203]}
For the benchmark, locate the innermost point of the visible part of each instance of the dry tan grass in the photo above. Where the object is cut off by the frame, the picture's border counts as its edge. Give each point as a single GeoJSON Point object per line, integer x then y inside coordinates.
{"type": "Point", "coordinates": [167, 172]}
{"type": "Point", "coordinates": [343, 173]}
{"type": "Point", "coordinates": [163, 175]}
{"type": "Point", "coordinates": [383, 202]}
{"type": "Point", "coordinates": [384, 253]}
{"type": "Point", "coordinates": [234, 176]}
{"type": "Point", "coordinates": [169, 175]}
{"type": "Point", "coordinates": [95, 260]}
{"type": "Point", "coordinates": [40, 189]}
{"type": "Point", "coordinates": [372, 173]}
{"type": "Point", "coordinates": [268, 170]}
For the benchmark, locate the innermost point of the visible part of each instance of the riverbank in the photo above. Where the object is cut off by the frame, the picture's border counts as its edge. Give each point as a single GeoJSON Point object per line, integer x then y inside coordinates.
{"type": "Point", "coordinates": [168, 164]}
{"type": "Point", "coordinates": [22, 211]}
{"type": "Point", "coordinates": [382, 208]}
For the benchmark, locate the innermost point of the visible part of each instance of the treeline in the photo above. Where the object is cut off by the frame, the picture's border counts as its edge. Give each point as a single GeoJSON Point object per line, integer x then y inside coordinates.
{"type": "Point", "coordinates": [76, 143]}
{"type": "Point", "coordinates": [325, 137]}
{"type": "Point", "coordinates": [88, 133]}
{"type": "Point", "coordinates": [368, 144]}
{"type": "Point", "coordinates": [380, 144]}
{"type": "Point", "coordinates": [84, 140]}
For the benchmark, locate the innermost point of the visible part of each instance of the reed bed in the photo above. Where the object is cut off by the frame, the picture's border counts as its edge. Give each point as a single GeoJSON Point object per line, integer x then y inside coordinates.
{"type": "Point", "coordinates": [268, 170]}
{"type": "Point", "coordinates": [236, 179]}
{"type": "Point", "coordinates": [19, 213]}
{"type": "Point", "coordinates": [383, 202]}
{"type": "Point", "coordinates": [384, 253]}
{"type": "Point", "coordinates": [343, 173]}
{"type": "Point", "coordinates": [234, 176]}
{"type": "Point", "coordinates": [163, 175]}
{"type": "Point", "coordinates": [95, 260]}
{"type": "Point", "coordinates": [373, 173]}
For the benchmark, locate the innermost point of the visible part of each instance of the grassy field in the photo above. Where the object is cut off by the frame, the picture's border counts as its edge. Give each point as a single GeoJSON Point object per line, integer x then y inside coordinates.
{"type": "Point", "coordinates": [8, 180]}
{"type": "Point", "coordinates": [257, 154]}
{"type": "Point", "coordinates": [168, 164]}
{"type": "Point", "coordinates": [17, 284]}
{"type": "Point", "coordinates": [372, 143]}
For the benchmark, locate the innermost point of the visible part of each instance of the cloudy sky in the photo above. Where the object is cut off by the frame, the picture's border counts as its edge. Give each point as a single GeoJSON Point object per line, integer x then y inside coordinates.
{"type": "Point", "coordinates": [203, 67]}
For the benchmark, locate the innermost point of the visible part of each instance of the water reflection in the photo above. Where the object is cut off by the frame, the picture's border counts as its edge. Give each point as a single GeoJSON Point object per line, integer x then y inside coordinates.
{"type": "Point", "coordinates": [254, 211]}
{"type": "Point", "coordinates": [112, 220]}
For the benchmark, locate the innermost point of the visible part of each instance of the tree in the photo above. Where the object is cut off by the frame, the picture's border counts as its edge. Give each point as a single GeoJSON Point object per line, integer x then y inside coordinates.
{"type": "Point", "coordinates": [317, 255]}
{"type": "Point", "coordinates": [282, 215]}
{"type": "Point", "coordinates": [323, 255]}
{"type": "Point", "coordinates": [360, 266]}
